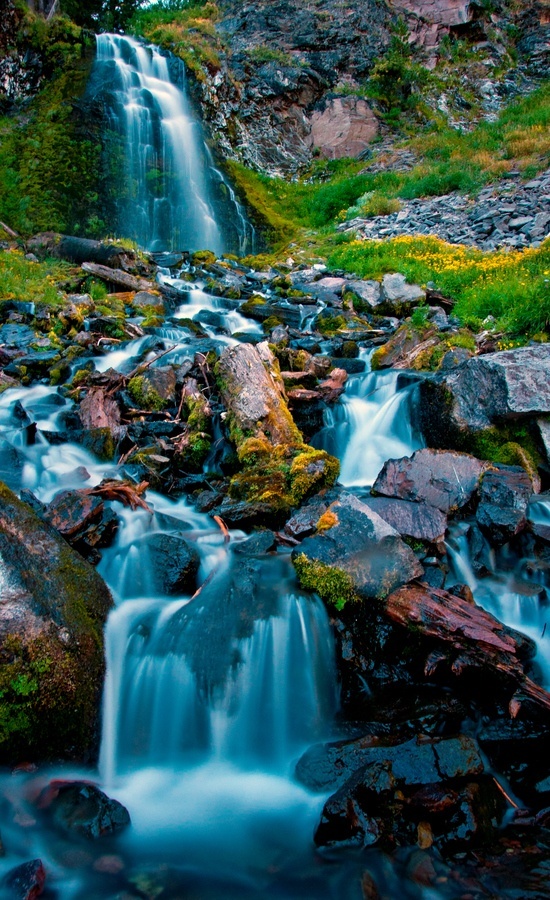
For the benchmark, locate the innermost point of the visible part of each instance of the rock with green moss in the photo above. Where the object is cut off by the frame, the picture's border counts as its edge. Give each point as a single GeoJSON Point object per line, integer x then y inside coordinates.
{"type": "Point", "coordinates": [278, 468]}
{"type": "Point", "coordinates": [488, 390]}
{"type": "Point", "coordinates": [355, 555]}
{"type": "Point", "coordinates": [51, 641]}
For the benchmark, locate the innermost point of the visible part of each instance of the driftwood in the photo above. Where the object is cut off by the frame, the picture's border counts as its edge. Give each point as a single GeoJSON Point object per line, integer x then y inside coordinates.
{"type": "Point", "coordinates": [9, 231]}
{"type": "Point", "coordinates": [472, 637]}
{"type": "Point", "coordinates": [77, 249]}
{"type": "Point", "coordinates": [128, 493]}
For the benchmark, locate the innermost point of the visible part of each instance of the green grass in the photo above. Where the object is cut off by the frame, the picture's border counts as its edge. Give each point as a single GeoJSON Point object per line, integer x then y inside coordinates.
{"type": "Point", "coordinates": [448, 161]}
{"type": "Point", "coordinates": [186, 29]}
{"type": "Point", "coordinates": [21, 279]}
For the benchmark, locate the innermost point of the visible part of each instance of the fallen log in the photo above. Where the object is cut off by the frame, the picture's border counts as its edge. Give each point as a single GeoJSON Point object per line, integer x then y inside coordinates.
{"type": "Point", "coordinates": [78, 250]}
{"type": "Point", "coordinates": [117, 276]}
{"type": "Point", "coordinates": [471, 638]}
{"type": "Point", "coordinates": [131, 282]}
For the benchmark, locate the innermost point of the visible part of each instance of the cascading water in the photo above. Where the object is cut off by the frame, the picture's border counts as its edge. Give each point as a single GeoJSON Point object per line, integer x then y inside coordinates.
{"type": "Point", "coordinates": [373, 422]}
{"type": "Point", "coordinates": [171, 196]}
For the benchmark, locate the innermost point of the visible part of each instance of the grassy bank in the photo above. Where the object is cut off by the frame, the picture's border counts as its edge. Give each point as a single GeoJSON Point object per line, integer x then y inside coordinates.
{"type": "Point", "coordinates": [512, 286]}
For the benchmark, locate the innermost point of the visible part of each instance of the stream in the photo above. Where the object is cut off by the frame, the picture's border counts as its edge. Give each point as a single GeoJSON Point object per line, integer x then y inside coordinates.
{"type": "Point", "coordinates": [210, 701]}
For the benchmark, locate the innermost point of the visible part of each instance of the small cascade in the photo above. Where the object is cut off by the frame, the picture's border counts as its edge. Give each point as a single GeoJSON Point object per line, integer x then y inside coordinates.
{"type": "Point", "coordinates": [216, 679]}
{"type": "Point", "coordinates": [510, 588]}
{"type": "Point", "coordinates": [372, 423]}
{"type": "Point", "coordinates": [172, 196]}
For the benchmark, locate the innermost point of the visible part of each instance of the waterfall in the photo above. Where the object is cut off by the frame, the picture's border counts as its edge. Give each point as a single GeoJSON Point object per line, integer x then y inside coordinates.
{"type": "Point", "coordinates": [244, 675]}
{"type": "Point", "coordinates": [372, 423]}
{"type": "Point", "coordinates": [171, 196]}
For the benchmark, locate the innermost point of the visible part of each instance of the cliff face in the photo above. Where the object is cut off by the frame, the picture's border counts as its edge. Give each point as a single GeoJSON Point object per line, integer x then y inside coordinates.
{"type": "Point", "coordinates": [291, 84]}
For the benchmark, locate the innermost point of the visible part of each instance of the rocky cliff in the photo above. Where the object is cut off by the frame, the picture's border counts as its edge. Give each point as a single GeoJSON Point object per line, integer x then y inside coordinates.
{"type": "Point", "coordinates": [291, 81]}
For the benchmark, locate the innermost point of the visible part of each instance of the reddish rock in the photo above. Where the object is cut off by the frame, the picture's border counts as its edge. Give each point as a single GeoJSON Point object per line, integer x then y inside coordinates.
{"type": "Point", "coordinates": [442, 478]}
{"type": "Point", "coordinates": [504, 495]}
{"type": "Point", "coordinates": [99, 410]}
{"type": "Point", "coordinates": [344, 126]}
{"type": "Point", "coordinates": [25, 882]}
{"type": "Point", "coordinates": [469, 639]}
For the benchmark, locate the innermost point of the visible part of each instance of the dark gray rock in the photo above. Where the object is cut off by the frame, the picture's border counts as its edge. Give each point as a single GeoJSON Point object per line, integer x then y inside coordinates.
{"type": "Point", "coordinates": [256, 545]}
{"type": "Point", "coordinates": [83, 809]}
{"type": "Point", "coordinates": [504, 494]}
{"type": "Point", "coordinates": [24, 882]}
{"type": "Point", "coordinates": [363, 546]}
{"type": "Point", "coordinates": [174, 564]}
{"type": "Point", "coordinates": [490, 388]}
{"type": "Point", "coordinates": [442, 478]}
{"type": "Point", "coordinates": [326, 767]}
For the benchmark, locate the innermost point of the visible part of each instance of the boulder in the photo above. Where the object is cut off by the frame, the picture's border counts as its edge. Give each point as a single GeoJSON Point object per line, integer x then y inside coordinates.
{"type": "Point", "coordinates": [173, 564]}
{"type": "Point", "coordinates": [81, 808]}
{"type": "Point", "coordinates": [326, 767]}
{"type": "Point", "coordinates": [253, 392]}
{"type": "Point", "coordinates": [354, 555]}
{"type": "Point", "coordinates": [486, 390]}
{"type": "Point", "coordinates": [278, 469]}
{"type": "Point", "coordinates": [503, 497]}
{"type": "Point", "coordinates": [54, 607]}
{"type": "Point", "coordinates": [369, 292]}
{"type": "Point", "coordinates": [444, 479]}
{"type": "Point", "coordinates": [397, 292]}
{"type": "Point", "coordinates": [462, 638]}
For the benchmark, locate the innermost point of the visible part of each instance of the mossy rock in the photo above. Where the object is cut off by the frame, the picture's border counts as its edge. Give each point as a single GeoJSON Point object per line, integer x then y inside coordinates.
{"type": "Point", "coordinates": [51, 642]}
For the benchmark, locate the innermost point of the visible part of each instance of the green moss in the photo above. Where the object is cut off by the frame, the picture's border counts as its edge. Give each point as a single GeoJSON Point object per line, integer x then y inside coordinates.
{"type": "Point", "coordinates": [311, 470]}
{"type": "Point", "coordinates": [144, 394]}
{"type": "Point", "coordinates": [330, 324]}
{"type": "Point", "coordinates": [333, 585]}
{"type": "Point", "coordinates": [510, 445]}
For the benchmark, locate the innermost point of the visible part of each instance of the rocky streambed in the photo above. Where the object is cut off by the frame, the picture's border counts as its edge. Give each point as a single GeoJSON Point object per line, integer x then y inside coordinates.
{"type": "Point", "coordinates": [179, 438]}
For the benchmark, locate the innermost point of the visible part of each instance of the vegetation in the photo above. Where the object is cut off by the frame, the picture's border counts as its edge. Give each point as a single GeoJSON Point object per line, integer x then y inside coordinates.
{"type": "Point", "coordinates": [512, 286]}
{"type": "Point", "coordinates": [22, 279]}
{"type": "Point", "coordinates": [186, 29]}
{"type": "Point", "coordinates": [50, 159]}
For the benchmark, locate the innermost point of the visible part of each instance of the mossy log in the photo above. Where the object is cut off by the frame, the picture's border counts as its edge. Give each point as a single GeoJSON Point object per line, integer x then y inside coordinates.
{"type": "Point", "coordinates": [51, 641]}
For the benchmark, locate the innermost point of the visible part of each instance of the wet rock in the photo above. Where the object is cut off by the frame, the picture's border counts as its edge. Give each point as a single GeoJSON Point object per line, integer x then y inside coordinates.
{"type": "Point", "coordinates": [256, 544]}
{"type": "Point", "coordinates": [248, 515]}
{"type": "Point", "coordinates": [51, 626]}
{"type": "Point", "coordinates": [17, 336]}
{"type": "Point", "coordinates": [444, 479]}
{"type": "Point", "coordinates": [83, 809]}
{"type": "Point", "coordinates": [418, 761]}
{"type": "Point", "coordinates": [174, 564]}
{"type": "Point", "coordinates": [349, 366]}
{"type": "Point", "coordinates": [71, 512]}
{"type": "Point", "coordinates": [355, 555]}
{"type": "Point", "coordinates": [414, 520]}
{"type": "Point", "coordinates": [503, 497]}
{"type": "Point", "coordinates": [24, 882]}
